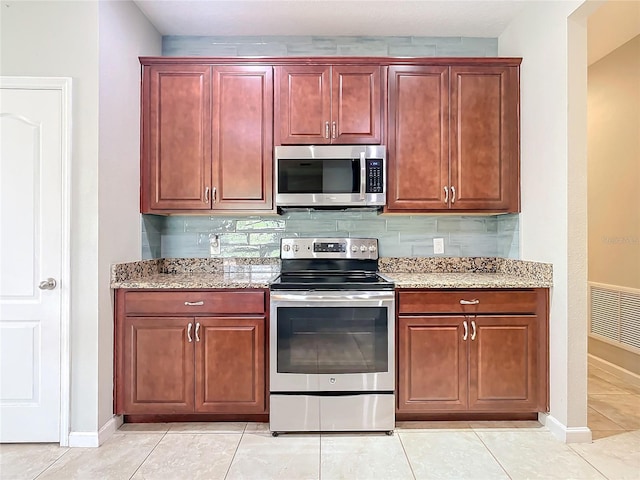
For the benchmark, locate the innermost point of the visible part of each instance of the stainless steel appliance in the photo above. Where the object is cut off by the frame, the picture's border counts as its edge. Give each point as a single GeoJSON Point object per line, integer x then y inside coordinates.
{"type": "Point", "coordinates": [332, 337]}
{"type": "Point", "coordinates": [330, 175]}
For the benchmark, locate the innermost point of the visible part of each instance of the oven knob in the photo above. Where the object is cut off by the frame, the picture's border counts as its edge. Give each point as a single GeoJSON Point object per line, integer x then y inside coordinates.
{"type": "Point", "coordinates": [363, 248]}
{"type": "Point", "coordinates": [332, 380]}
{"type": "Point", "coordinates": [296, 248]}
{"type": "Point", "coordinates": [372, 248]}
{"type": "Point", "coordinates": [286, 248]}
{"type": "Point", "coordinates": [354, 248]}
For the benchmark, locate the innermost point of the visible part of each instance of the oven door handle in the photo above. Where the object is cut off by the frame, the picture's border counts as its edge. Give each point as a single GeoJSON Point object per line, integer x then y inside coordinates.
{"type": "Point", "coordinates": [340, 297]}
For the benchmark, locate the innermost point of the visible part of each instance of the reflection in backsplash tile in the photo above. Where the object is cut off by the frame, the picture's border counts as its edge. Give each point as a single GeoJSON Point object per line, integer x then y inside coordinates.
{"type": "Point", "coordinates": [398, 235]}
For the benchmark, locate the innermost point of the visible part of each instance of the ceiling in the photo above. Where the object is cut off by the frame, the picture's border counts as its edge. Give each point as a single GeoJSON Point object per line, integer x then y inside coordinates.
{"type": "Point", "coordinates": [438, 18]}
{"type": "Point", "coordinates": [613, 23]}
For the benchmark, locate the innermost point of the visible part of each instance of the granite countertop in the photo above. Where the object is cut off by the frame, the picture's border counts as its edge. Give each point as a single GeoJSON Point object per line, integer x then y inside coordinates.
{"type": "Point", "coordinates": [431, 272]}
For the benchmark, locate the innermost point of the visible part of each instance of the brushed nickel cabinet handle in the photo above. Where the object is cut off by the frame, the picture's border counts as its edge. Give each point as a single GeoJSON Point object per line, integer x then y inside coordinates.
{"type": "Point", "coordinates": [475, 301]}
{"type": "Point", "coordinates": [334, 130]}
{"type": "Point", "coordinates": [194, 304]}
{"type": "Point", "coordinates": [215, 194]}
{"type": "Point", "coordinates": [453, 194]}
{"type": "Point", "coordinates": [326, 129]}
{"type": "Point", "coordinates": [466, 330]}
{"type": "Point", "coordinates": [198, 332]}
{"type": "Point", "coordinates": [446, 194]}
{"type": "Point", "coordinates": [189, 332]}
{"type": "Point", "coordinates": [473, 330]}
{"type": "Point", "coordinates": [206, 195]}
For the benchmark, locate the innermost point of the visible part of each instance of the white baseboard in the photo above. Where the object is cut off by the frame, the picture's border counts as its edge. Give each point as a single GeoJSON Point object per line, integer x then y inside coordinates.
{"type": "Point", "coordinates": [564, 433]}
{"type": "Point", "coordinates": [95, 439]}
{"type": "Point", "coordinates": [623, 374]}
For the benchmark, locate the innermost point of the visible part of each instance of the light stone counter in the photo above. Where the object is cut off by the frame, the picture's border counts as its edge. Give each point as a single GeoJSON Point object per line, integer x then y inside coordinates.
{"type": "Point", "coordinates": [431, 272]}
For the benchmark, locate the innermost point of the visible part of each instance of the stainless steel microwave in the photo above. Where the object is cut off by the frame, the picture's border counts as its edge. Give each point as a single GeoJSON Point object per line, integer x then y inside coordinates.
{"type": "Point", "coordinates": [330, 175]}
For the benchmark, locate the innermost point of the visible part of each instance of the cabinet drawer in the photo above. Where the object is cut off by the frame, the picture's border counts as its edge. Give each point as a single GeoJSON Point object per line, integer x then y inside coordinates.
{"type": "Point", "coordinates": [484, 301]}
{"type": "Point", "coordinates": [194, 302]}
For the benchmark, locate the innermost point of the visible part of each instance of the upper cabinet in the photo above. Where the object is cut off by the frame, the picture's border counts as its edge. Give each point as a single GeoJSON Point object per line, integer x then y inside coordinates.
{"type": "Point", "coordinates": [206, 138]}
{"type": "Point", "coordinates": [451, 126]}
{"type": "Point", "coordinates": [454, 138]}
{"type": "Point", "coordinates": [322, 104]}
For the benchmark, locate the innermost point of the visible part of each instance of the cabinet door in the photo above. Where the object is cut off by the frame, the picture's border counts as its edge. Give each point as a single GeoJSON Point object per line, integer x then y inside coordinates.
{"type": "Point", "coordinates": [355, 104]}
{"type": "Point", "coordinates": [418, 138]}
{"type": "Point", "coordinates": [158, 365]}
{"type": "Point", "coordinates": [242, 138]}
{"type": "Point", "coordinates": [432, 364]}
{"type": "Point", "coordinates": [485, 173]}
{"type": "Point", "coordinates": [503, 363]}
{"type": "Point", "coordinates": [176, 136]}
{"type": "Point", "coordinates": [230, 365]}
{"type": "Point", "coordinates": [303, 104]}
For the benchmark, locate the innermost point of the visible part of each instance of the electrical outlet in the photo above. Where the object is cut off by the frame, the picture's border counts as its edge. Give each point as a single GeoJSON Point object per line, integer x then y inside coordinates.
{"type": "Point", "coordinates": [214, 245]}
{"type": "Point", "coordinates": [438, 245]}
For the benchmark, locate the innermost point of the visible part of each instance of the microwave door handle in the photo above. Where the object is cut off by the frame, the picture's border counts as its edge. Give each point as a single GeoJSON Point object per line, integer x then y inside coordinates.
{"type": "Point", "coordinates": [363, 175]}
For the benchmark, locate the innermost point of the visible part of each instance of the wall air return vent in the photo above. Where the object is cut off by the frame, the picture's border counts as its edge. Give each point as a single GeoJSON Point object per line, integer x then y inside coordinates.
{"type": "Point", "coordinates": [615, 315]}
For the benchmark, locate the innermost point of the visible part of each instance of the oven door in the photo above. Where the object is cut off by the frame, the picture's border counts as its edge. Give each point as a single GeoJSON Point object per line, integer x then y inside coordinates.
{"type": "Point", "coordinates": [332, 341]}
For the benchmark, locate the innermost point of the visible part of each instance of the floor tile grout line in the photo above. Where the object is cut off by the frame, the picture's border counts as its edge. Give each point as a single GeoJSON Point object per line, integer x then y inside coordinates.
{"type": "Point", "coordinates": [53, 463]}
{"type": "Point", "coordinates": [586, 460]}
{"type": "Point", "coordinates": [492, 454]}
{"type": "Point", "coordinates": [226, 474]}
{"type": "Point", "coordinates": [406, 455]}
{"type": "Point", "coordinates": [148, 454]}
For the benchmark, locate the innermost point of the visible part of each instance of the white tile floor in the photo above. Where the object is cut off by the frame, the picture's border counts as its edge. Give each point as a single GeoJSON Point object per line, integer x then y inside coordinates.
{"type": "Point", "coordinates": [434, 450]}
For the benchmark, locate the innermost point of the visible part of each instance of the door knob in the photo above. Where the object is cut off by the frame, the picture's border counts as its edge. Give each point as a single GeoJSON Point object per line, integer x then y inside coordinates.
{"type": "Point", "coordinates": [48, 284]}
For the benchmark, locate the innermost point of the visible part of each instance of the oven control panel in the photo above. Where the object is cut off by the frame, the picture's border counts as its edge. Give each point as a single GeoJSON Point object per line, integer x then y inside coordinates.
{"type": "Point", "coordinates": [356, 248]}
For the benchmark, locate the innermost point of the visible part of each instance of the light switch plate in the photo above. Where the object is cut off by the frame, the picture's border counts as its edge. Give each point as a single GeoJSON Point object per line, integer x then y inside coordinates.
{"type": "Point", "coordinates": [438, 245]}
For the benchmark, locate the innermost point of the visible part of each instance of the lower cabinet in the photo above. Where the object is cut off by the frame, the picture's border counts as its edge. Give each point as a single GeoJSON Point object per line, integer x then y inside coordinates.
{"type": "Point", "coordinates": [472, 351]}
{"type": "Point", "coordinates": [190, 352]}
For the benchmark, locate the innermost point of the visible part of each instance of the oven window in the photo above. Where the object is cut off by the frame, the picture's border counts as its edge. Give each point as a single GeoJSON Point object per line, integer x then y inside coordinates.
{"type": "Point", "coordinates": [318, 176]}
{"type": "Point", "coordinates": [332, 340]}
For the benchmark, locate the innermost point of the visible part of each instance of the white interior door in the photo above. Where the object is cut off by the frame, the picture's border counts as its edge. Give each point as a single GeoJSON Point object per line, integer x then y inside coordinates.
{"type": "Point", "coordinates": [33, 150]}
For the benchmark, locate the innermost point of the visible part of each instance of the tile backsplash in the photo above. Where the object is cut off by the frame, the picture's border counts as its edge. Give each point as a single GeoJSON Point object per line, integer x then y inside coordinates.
{"type": "Point", "coordinates": [398, 235]}
{"type": "Point", "coordinates": [282, 46]}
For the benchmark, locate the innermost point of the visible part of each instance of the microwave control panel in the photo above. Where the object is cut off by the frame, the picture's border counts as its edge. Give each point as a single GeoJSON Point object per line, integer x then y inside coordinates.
{"type": "Point", "coordinates": [375, 175]}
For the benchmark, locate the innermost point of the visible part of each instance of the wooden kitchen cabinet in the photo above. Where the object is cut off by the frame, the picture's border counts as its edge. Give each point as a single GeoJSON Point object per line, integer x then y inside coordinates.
{"type": "Point", "coordinates": [322, 104]}
{"type": "Point", "coordinates": [454, 138]}
{"type": "Point", "coordinates": [190, 352]}
{"type": "Point", "coordinates": [207, 138]}
{"type": "Point", "coordinates": [489, 356]}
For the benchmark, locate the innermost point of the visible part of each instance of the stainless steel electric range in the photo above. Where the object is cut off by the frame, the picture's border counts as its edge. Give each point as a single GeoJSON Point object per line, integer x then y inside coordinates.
{"type": "Point", "coordinates": [332, 337]}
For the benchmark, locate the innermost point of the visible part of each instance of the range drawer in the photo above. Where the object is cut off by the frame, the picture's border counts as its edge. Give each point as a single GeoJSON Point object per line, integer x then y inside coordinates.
{"type": "Point", "coordinates": [194, 302]}
{"type": "Point", "coordinates": [467, 301]}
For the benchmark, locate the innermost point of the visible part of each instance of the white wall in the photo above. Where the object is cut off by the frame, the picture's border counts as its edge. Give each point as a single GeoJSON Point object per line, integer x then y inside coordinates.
{"type": "Point", "coordinates": [61, 39]}
{"type": "Point", "coordinates": [124, 35]}
{"type": "Point", "coordinates": [56, 38]}
{"type": "Point", "coordinates": [553, 219]}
